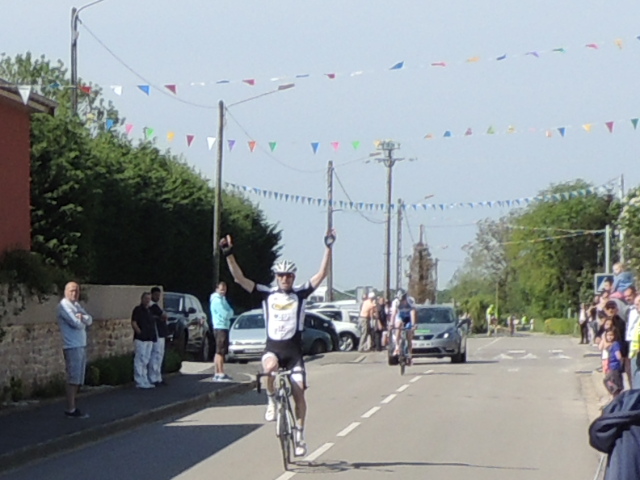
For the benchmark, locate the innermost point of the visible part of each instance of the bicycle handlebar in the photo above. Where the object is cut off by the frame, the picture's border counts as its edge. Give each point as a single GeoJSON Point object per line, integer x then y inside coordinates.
{"type": "Point", "coordinates": [276, 373]}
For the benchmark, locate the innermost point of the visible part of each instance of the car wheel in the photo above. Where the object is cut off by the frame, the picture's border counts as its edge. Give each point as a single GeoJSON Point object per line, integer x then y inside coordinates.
{"type": "Point", "coordinates": [318, 347]}
{"type": "Point", "coordinates": [347, 342]}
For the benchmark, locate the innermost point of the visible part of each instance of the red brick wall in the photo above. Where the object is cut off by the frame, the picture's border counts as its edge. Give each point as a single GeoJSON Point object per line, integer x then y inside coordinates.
{"type": "Point", "coordinates": [15, 198]}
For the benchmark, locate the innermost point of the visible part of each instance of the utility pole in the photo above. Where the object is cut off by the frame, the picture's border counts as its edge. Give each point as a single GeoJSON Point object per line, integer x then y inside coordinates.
{"type": "Point", "coordinates": [435, 282]}
{"type": "Point", "coordinates": [330, 226]}
{"type": "Point", "coordinates": [621, 233]}
{"type": "Point", "coordinates": [399, 246]}
{"type": "Point", "coordinates": [75, 17]}
{"type": "Point", "coordinates": [607, 249]}
{"type": "Point", "coordinates": [217, 202]}
{"type": "Point", "coordinates": [388, 146]}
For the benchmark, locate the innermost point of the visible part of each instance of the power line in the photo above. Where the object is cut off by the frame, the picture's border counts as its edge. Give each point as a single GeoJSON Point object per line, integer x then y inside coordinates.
{"type": "Point", "coordinates": [349, 198]}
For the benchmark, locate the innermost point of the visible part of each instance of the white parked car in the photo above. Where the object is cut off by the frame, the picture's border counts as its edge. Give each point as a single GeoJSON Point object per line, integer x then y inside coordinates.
{"type": "Point", "coordinates": [345, 322]}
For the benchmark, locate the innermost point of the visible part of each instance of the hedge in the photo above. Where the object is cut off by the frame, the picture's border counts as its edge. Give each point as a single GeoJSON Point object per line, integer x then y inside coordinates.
{"type": "Point", "coordinates": [560, 326]}
{"type": "Point", "coordinates": [118, 369]}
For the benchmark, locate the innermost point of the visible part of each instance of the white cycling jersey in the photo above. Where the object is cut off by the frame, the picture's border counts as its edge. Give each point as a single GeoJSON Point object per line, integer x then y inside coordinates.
{"type": "Point", "coordinates": [284, 311]}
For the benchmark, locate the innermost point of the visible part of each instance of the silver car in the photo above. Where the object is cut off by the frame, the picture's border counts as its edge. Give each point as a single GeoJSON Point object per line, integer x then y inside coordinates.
{"type": "Point", "coordinates": [438, 334]}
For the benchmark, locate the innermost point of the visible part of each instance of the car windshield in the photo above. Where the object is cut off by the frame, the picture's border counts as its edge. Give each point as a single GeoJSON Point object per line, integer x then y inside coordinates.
{"type": "Point", "coordinates": [172, 303]}
{"type": "Point", "coordinates": [435, 315]}
{"type": "Point", "coordinates": [249, 322]}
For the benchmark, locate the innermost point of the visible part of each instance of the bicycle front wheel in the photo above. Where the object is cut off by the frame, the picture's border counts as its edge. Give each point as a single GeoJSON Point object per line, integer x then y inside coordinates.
{"type": "Point", "coordinates": [284, 435]}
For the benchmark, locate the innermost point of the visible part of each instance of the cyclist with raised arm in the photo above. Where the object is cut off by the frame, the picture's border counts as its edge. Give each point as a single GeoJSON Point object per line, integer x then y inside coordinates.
{"type": "Point", "coordinates": [404, 316]}
{"type": "Point", "coordinates": [284, 309]}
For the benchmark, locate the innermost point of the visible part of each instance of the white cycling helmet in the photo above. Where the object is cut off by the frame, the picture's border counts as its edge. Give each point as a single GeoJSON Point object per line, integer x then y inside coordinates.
{"type": "Point", "coordinates": [285, 266]}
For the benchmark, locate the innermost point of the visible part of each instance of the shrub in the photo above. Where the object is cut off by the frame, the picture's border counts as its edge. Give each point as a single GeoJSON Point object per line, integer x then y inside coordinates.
{"type": "Point", "coordinates": [53, 388]}
{"type": "Point", "coordinates": [172, 361]}
{"type": "Point", "coordinates": [560, 326]}
{"type": "Point", "coordinates": [14, 391]}
{"type": "Point", "coordinates": [115, 370]}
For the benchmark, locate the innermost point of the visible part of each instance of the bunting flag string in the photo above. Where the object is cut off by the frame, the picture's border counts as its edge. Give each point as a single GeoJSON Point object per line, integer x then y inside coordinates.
{"type": "Point", "coordinates": [617, 44]}
{"type": "Point", "coordinates": [381, 207]}
{"type": "Point", "coordinates": [316, 147]}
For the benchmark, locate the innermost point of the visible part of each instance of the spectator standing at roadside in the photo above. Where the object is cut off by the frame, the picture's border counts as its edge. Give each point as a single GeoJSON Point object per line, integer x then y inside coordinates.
{"type": "Point", "coordinates": [381, 322]}
{"type": "Point", "coordinates": [367, 313]}
{"type": "Point", "coordinates": [613, 377]}
{"type": "Point", "coordinates": [162, 331]}
{"type": "Point", "coordinates": [583, 322]}
{"type": "Point", "coordinates": [633, 321]}
{"type": "Point", "coordinates": [221, 313]}
{"type": "Point", "coordinates": [144, 335]}
{"type": "Point", "coordinates": [73, 321]}
{"type": "Point", "coordinates": [593, 320]}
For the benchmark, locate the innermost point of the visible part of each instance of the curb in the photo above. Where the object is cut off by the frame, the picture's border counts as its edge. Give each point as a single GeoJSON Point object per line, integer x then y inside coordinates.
{"type": "Point", "coordinates": [66, 443]}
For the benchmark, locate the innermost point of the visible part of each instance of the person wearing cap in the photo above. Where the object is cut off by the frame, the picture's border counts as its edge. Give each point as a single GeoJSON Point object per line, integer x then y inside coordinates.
{"type": "Point", "coordinates": [367, 315]}
{"type": "Point", "coordinates": [284, 310]}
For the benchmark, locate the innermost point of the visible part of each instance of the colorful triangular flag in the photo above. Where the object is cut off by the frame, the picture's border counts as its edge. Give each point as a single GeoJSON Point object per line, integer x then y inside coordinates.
{"type": "Point", "coordinates": [190, 139]}
{"type": "Point", "coordinates": [559, 50]}
{"type": "Point", "coordinates": [355, 144]}
{"type": "Point", "coordinates": [314, 147]}
{"type": "Point", "coordinates": [491, 131]}
{"type": "Point", "coordinates": [171, 136]}
{"type": "Point", "coordinates": [86, 89]}
{"type": "Point", "coordinates": [145, 88]}
{"type": "Point", "coordinates": [128, 128]}
{"type": "Point", "coordinates": [533, 54]}
{"type": "Point", "coordinates": [117, 89]}
{"type": "Point", "coordinates": [273, 145]}
{"type": "Point", "coordinates": [468, 132]}
{"type": "Point", "coordinates": [502, 57]}
{"type": "Point", "coordinates": [619, 43]}
{"type": "Point", "coordinates": [562, 131]}
{"type": "Point", "coordinates": [634, 122]}
{"type": "Point", "coordinates": [172, 88]}
{"type": "Point", "coordinates": [231, 144]}
{"type": "Point", "coordinates": [609, 126]}
{"type": "Point", "coordinates": [447, 134]}
{"type": "Point", "coordinates": [335, 146]}
{"type": "Point", "coordinates": [587, 126]}
{"type": "Point", "coordinates": [252, 145]}
{"type": "Point", "coordinates": [397, 66]}
{"type": "Point", "coordinates": [148, 132]}
{"type": "Point", "coordinates": [592, 45]}
{"type": "Point", "coordinates": [211, 142]}
{"type": "Point", "coordinates": [25, 93]}
{"type": "Point", "coordinates": [331, 76]}
{"type": "Point", "coordinates": [439, 64]}
{"type": "Point", "coordinates": [109, 123]}
{"type": "Point", "coordinates": [249, 81]}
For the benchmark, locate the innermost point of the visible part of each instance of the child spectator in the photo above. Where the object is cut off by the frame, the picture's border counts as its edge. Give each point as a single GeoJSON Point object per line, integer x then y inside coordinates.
{"type": "Point", "coordinates": [603, 345]}
{"type": "Point", "coordinates": [622, 280]}
{"type": "Point", "coordinates": [613, 376]}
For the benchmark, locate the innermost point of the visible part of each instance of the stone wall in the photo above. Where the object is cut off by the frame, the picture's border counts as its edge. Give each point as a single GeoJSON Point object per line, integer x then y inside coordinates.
{"type": "Point", "coordinates": [32, 347]}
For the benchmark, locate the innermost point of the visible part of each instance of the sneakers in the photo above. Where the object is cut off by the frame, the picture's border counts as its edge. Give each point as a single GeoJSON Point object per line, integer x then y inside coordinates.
{"type": "Point", "coordinates": [145, 385]}
{"type": "Point", "coordinates": [270, 414]}
{"type": "Point", "coordinates": [222, 377]}
{"type": "Point", "coordinates": [301, 445]}
{"type": "Point", "coordinates": [75, 414]}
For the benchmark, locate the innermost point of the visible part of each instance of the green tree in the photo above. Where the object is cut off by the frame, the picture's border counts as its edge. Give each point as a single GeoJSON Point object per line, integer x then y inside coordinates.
{"type": "Point", "coordinates": [117, 213]}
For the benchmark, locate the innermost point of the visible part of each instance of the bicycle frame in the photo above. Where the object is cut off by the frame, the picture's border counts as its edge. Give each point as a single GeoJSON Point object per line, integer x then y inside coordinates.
{"type": "Point", "coordinates": [285, 420]}
{"type": "Point", "coordinates": [403, 348]}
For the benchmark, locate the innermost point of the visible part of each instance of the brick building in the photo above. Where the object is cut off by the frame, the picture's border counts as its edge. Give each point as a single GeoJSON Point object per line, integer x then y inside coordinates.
{"type": "Point", "coordinates": [15, 157]}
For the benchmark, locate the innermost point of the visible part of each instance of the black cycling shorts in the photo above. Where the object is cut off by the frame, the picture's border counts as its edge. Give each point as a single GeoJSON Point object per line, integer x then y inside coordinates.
{"type": "Point", "coordinates": [289, 355]}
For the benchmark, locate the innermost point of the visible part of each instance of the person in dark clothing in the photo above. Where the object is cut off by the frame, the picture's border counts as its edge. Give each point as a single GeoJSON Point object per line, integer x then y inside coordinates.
{"type": "Point", "coordinates": [144, 336]}
{"type": "Point", "coordinates": [381, 325]}
{"type": "Point", "coordinates": [162, 331]}
{"type": "Point", "coordinates": [617, 433]}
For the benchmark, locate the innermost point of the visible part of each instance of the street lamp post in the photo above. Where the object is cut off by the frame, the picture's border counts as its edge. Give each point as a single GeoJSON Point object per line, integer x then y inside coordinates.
{"type": "Point", "coordinates": [217, 199]}
{"type": "Point", "coordinates": [75, 17]}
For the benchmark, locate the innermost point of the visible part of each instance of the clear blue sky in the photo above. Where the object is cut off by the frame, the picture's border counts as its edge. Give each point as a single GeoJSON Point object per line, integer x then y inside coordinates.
{"type": "Point", "coordinates": [205, 41]}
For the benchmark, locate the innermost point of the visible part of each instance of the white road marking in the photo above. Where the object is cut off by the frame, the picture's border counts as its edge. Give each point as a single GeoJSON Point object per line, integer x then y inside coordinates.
{"type": "Point", "coordinates": [529, 356]}
{"type": "Point", "coordinates": [286, 476]}
{"type": "Point", "coordinates": [559, 357]}
{"type": "Point", "coordinates": [359, 359]}
{"type": "Point", "coordinates": [402, 388]}
{"type": "Point", "coordinates": [503, 356]}
{"type": "Point", "coordinates": [513, 370]}
{"type": "Point", "coordinates": [490, 343]}
{"type": "Point", "coordinates": [372, 411]}
{"type": "Point", "coordinates": [348, 430]}
{"type": "Point", "coordinates": [312, 456]}
{"type": "Point", "coordinates": [389, 398]}
{"type": "Point", "coordinates": [517, 351]}
{"type": "Point", "coordinates": [415, 379]}
{"type": "Point", "coordinates": [428, 372]}
{"type": "Point", "coordinates": [556, 351]}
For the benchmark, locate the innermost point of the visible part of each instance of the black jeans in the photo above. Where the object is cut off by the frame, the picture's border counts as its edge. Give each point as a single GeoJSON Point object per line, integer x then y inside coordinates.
{"type": "Point", "coordinates": [584, 332]}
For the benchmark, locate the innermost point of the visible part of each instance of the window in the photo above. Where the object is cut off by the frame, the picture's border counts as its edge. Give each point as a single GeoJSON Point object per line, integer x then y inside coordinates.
{"type": "Point", "coordinates": [435, 315]}
{"type": "Point", "coordinates": [249, 322]}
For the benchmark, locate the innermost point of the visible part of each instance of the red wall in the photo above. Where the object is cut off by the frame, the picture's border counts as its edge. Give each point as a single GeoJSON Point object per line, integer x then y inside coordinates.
{"type": "Point", "coordinates": [15, 198]}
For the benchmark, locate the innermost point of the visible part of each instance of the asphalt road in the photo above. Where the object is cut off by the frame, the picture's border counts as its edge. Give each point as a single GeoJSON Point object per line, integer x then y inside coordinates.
{"type": "Point", "coordinates": [519, 409]}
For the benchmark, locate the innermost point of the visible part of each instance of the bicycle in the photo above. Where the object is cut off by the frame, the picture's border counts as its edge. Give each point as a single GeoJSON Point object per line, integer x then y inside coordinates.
{"type": "Point", "coordinates": [285, 421]}
{"type": "Point", "coordinates": [403, 349]}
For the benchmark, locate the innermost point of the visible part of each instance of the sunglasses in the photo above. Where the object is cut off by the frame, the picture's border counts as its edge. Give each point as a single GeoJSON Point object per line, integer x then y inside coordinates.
{"type": "Point", "coordinates": [284, 275]}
